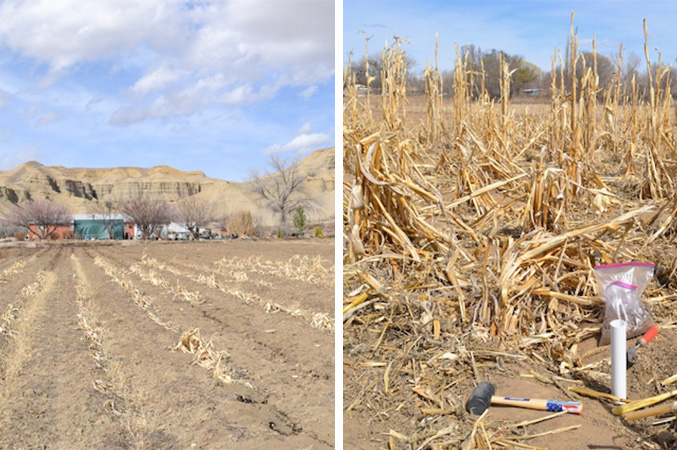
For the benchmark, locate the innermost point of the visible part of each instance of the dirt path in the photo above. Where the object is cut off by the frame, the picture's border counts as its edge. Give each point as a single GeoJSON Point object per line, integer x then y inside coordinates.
{"type": "Point", "coordinates": [85, 365]}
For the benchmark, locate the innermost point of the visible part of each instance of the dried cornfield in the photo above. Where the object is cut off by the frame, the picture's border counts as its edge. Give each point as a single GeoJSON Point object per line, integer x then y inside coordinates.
{"type": "Point", "coordinates": [471, 234]}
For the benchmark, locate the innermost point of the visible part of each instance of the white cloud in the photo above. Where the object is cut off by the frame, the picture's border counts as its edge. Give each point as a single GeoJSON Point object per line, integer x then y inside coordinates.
{"type": "Point", "coordinates": [159, 79]}
{"type": "Point", "coordinates": [238, 96]}
{"type": "Point", "coordinates": [33, 111]}
{"type": "Point", "coordinates": [66, 32]}
{"type": "Point", "coordinates": [308, 92]}
{"type": "Point", "coordinates": [219, 52]}
{"type": "Point", "coordinates": [305, 129]}
{"type": "Point", "coordinates": [20, 157]}
{"type": "Point", "coordinates": [302, 143]}
{"type": "Point", "coordinates": [47, 119]}
{"type": "Point", "coordinates": [163, 107]}
{"type": "Point", "coordinates": [292, 33]}
{"type": "Point", "coordinates": [93, 102]}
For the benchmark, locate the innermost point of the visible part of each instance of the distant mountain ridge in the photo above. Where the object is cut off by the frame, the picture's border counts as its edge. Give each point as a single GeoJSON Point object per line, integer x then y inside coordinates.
{"type": "Point", "coordinates": [82, 188]}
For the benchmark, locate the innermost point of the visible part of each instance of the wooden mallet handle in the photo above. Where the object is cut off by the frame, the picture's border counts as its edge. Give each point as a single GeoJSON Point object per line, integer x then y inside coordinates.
{"type": "Point", "coordinates": [483, 396]}
{"type": "Point", "coordinates": [540, 404]}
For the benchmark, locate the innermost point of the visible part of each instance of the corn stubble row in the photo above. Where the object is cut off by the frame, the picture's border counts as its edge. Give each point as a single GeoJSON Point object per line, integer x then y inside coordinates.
{"type": "Point", "coordinates": [127, 404]}
{"type": "Point", "coordinates": [209, 358]}
{"type": "Point", "coordinates": [300, 268]}
{"type": "Point", "coordinates": [237, 275]}
{"type": "Point", "coordinates": [321, 321]}
{"type": "Point", "coordinates": [16, 268]}
{"type": "Point", "coordinates": [19, 325]}
{"type": "Point", "coordinates": [179, 292]}
{"type": "Point", "coordinates": [12, 312]}
{"type": "Point", "coordinates": [480, 227]}
{"type": "Point", "coordinates": [190, 341]}
{"type": "Point", "coordinates": [137, 297]}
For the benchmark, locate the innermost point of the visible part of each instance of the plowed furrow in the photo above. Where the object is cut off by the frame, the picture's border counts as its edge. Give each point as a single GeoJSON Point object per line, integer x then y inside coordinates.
{"type": "Point", "coordinates": [271, 348]}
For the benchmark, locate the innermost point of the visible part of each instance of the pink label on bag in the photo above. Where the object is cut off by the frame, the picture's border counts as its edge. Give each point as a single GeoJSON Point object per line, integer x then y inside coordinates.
{"type": "Point", "coordinates": [625, 285]}
{"type": "Point", "coordinates": [634, 263]}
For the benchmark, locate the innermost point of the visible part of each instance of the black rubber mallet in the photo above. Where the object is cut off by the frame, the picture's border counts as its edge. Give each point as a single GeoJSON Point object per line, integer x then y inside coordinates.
{"type": "Point", "coordinates": [483, 396]}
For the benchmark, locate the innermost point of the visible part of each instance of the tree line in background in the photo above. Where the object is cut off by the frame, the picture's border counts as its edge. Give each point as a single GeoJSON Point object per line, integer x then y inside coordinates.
{"type": "Point", "coordinates": [526, 78]}
{"type": "Point", "coordinates": [282, 190]}
{"type": "Point", "coordinates": [148, 214]}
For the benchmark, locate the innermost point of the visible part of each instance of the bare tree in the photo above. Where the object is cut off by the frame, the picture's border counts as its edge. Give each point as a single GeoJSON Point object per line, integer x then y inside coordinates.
{"type": "Point", "coordinates": [44, 214]}
{"type": "Point", "coordinates": [375, 66]}
{"type": "Point", "coordinates": [483, 69]}
{"type": "Point", "coordinates": [632, 64]}
{"type": "Point", "coordinates": [194, 212]}
{"type": "Point", "coordinates": [148, 214]}
{"type": "Point", "coordinates": [284, 189]}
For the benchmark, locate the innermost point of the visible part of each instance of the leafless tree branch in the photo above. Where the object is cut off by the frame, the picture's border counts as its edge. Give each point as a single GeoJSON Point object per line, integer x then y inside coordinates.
{"type": "Point", "coordinates": [46, 215]}
{"type": "Point", "coordinates": [194, 212]}
{"type": "Point", "coordinates": [283, 188]}
{"type": "Point", "coordinates": [148, 214]}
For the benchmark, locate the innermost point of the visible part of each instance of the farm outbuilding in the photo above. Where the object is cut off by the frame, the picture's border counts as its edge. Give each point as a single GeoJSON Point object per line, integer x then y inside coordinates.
{"type": "Point", "coordinates": [61, 232]}
{"type": "Point", "coordinates": [95, 229]}
{"type": "Point", "coordinates": [97, 226]}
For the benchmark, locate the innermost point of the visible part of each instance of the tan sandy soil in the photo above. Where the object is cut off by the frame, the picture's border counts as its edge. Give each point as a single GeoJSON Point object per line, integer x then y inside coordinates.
{"type": "Point", "coordinates": [596, 428]}
{"type": "Point", "coordinates": [84, 366]}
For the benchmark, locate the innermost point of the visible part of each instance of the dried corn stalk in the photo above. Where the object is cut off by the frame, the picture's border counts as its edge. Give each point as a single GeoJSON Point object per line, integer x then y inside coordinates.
{"type": "Point", "coordinates": [205, 356]}
{"type": "Point", "coordinates": [16, 268]}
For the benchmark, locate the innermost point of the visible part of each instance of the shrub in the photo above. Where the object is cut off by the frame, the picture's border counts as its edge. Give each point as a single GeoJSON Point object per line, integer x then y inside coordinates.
{"type": "Point", "coordinates": [318, 232]}
{"type": "Point", "coordinates": [241, 223]}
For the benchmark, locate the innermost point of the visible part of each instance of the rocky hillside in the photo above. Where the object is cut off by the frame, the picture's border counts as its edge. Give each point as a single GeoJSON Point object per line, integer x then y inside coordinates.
{"type": "Point", "coordinates": [83, 189]}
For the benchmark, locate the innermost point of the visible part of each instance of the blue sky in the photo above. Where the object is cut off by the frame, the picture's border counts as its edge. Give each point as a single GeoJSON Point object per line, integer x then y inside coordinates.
{"type": "Point", "coordinates": [211, 85]}
{"type": "Point", "coordinates": [529, 28]}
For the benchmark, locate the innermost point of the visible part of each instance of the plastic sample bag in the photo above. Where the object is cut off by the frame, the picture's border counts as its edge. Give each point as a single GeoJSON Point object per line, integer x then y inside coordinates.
{"type": "Point", "coordinates": [621, 287]}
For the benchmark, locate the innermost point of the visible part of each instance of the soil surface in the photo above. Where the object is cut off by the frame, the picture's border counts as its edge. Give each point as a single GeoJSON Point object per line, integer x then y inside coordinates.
{"type": "Point", "coordinates": [91, 354]}
{"type": "Point", "coordinates": [595, 428]}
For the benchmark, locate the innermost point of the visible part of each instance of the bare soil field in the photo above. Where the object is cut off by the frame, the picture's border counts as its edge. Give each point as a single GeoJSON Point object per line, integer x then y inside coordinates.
{"type": "Point", "coordinates": [205, 345]}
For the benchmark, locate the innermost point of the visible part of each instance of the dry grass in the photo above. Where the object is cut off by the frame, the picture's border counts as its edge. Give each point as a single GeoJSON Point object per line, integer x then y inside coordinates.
{"type": "Point", "coordinates": [475, 231]}
{"type": "Point", "coordinates": [241, 223]}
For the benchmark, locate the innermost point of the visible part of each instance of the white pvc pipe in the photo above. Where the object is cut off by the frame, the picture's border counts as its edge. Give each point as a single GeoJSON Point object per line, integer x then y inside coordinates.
{"type": "Point", "coordinates": [618, 359]}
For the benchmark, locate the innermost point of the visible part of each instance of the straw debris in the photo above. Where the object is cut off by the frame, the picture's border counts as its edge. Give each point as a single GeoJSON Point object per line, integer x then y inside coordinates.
{"type": "Point", "coordinates": [17, 267]}
{"type": "Point", "coordinates": [205, 356]}
{"type": "Point", "coordinates": [475, 232]}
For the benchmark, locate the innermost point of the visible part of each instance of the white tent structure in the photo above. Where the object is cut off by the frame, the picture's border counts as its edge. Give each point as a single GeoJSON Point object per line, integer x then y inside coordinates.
{"type": "Point", "coordinates": [172, 230]}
